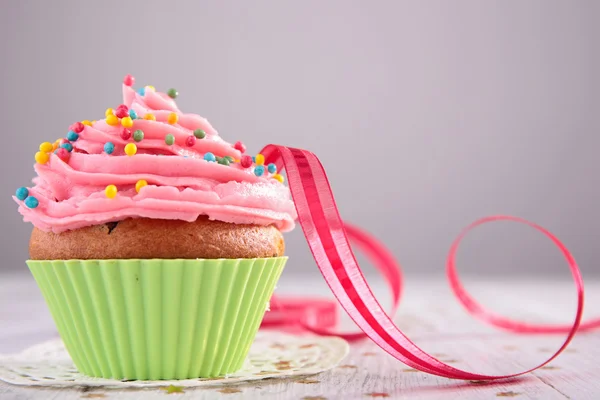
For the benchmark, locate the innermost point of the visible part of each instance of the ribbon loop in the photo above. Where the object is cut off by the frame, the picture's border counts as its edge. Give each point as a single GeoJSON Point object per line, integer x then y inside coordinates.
{"type": "Point", "coordinates": [329, 241]}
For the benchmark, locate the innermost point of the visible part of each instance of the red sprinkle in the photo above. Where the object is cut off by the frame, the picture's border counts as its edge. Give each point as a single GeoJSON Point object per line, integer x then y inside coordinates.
{"type": "Point", "coordinates": [246, 161]}
{"type": "Point", "coordinates": [190, 141]}
{"type": "Point", "coordinates": [63, 154]}
{"type": "Point", "coordinates": [129, 80]}
{"type": "Point", "coordinates": [77, 127]}
{"type": "Point", "coordinates": [122, 111]}
{"type": "Point", "coordinates": [240, 146]}
{"type": "Point", "coordinates": [125, 134]}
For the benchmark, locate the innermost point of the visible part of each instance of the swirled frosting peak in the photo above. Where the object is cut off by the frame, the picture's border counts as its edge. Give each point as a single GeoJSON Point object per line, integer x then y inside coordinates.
{"type": "Point", "coordinates": [148, 159]}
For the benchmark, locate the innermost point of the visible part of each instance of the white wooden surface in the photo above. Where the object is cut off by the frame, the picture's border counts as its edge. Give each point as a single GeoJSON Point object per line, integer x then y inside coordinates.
{"type": "Point", "coordinates": [429, 315]}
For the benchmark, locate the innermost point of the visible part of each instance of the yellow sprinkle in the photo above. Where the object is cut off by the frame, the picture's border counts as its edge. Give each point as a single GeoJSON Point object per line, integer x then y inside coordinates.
{"type": "Point", "coordinates": [109, 111]}
{"type": "Point", "coordinates": [172, 119]}
{"type": "Point", "coordinates": [278, 177]}
{"type": "Point", "coordinates": [260, 159]}
{"type": "Point", "coordinates": [54, 146]}
{"type": "Point", "coordinates": [151, 88]}
{"type": "Point", "coordinates": [111, 191]}
{"type": "Point", "coordinates": [41, 157]}
{"type": "Point", "coordinates": [127, 122]}
{"type": "Point", "coordinates": [130, 149]}
{"type": "Point", "coordinates": [140, 184]}
{"type": "Point", "coordinates": [112, 120]}
{"type": "Point", "coordinates": [46, 147]}
{"type": "Point", "coordinates": [150, 117]}
{"type": "Point", "coordinates": [87, 122]}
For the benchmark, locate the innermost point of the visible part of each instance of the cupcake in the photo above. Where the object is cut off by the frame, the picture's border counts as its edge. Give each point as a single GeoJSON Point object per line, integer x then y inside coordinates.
{"type": "Point", "coordinates": [156, 244]}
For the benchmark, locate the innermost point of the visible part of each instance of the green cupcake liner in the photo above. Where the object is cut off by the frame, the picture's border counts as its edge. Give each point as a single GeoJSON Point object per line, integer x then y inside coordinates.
{"type": "Point", "coordinates": [158, 319]}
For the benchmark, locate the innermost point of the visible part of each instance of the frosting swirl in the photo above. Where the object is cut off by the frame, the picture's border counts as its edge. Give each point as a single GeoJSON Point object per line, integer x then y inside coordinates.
{"type": "Point", "coordinates": [71, 191]}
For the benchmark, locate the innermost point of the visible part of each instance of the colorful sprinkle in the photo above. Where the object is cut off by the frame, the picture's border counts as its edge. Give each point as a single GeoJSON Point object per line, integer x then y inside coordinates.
{"type": "Point", "coordinates": [240, 146]}
{"type": "Point", "coordinates": [199, 133]}
{"type": "Point", "coordinates": [260, 159]}
{"type": "Point", "coordinates": [87, 122]}
{"type": "Point", "coordinates": [41, 157]}
{"type": "Point", "coordinates": [111, 191]}
{"type": "Point", "coordinates": [259, 170]}
{"type": "Point", "coordinates": [125, 134]}
{"type": "Point", "coordinates": [72, 136]}
{"type": "Point", "coordinates": [109, 147]}
{"type": "Point", "coordinates": [109, 111]}
{"type": "Point", "coordinates": [139, 185]}
{"type": "Point", "coordinates": [77, 127]}
{"type": "Point", "coordinates": [46, 147]}
{"type": "Point", "coordinates": [169, 139]}
{"type": "Point", "coordinates": [190, 141]}
{"type": "Point", "coordinates": [130, 149]}
{"type": "Point", "coordinates": [133, 114]}
{"type": "Point", "coordinates": [229, 158]}
{"type": "Point", "coordinates": [224, 161]}
{"type": "Point", "coordinates": [150, 87]}
{"type": "Point", "coordinates": [122, 111]}
{"type": "Point", "coordinates": [127, 122]}
{"type": "Point", "coordinates": [141, 91]}
{"type": "Point", "coordinates": [272, 168]}
{"type": "Point", "coordinates": [22, 193]}
{"type": "Point", "coordinates": [278, 177]}
{"type": "Point", "coordinates": [246, 161]}
{"type": "Point", "coordinates": [172, 118]}
{"type": "Point", "coordinates": [138, 135]}
{"type": "Point", "coordinates": [31, 202]}
{"type": "Point", "coordinates": [129, 80]}
{"type": "Point", "coordinates": [150, 117]}
{"type": "Point", "coordinates": [112, 120]}
{"type": "Point", "coordinates": [172, 93]}
{"type": "Point", "coordinates": [63, 154]}
{"type": "Point", "coordinates": [54, 146]}
{"type": "Point", "coordinates": [67, 146]}
{"type": "Point", "coordinates": [210, 157]}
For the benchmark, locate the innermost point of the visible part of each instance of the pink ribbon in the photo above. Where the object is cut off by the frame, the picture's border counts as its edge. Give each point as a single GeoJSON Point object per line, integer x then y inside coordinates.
{"type": "Point", "coordinates": [329, 241]}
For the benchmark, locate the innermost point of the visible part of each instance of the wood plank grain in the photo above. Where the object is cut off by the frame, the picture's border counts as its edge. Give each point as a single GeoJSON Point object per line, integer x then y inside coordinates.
{"type": "Point", "coordinates": [429, 315]}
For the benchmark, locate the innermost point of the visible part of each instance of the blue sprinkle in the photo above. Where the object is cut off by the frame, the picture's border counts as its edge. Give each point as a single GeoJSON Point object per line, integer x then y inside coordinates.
{"type": "Point", "coordinates": [67, 146]}
{"type": "Point", "coordinates": [253, 159]}
{"type": "Point", "coordinates": [22, 193]}
{"type": "Point", "coordinates": [31, 202]}
{"type": "Point", "coordinates": [109, 147]}
{"type": "Point", "coordinates": [259, 170]}
{"type": "Point", "coordinates": [210, 157]}
{"type": "Point", "coordinates": [132, 114]}
{"type": "Point", "coordinates": [272, 168]}
{"type": "Point", "coordinates": [142, 91]}
{"type": "Point", "coordinates": [72, 136]}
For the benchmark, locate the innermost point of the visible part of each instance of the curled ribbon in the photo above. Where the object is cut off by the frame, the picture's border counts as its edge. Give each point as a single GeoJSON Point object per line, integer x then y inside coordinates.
{"type": "Point", "coordinates": [329, 240]}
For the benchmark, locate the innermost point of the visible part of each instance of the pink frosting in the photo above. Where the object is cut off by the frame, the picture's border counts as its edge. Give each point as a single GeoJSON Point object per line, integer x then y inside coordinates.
{"type": "Point", "coordinates": [181, 184]}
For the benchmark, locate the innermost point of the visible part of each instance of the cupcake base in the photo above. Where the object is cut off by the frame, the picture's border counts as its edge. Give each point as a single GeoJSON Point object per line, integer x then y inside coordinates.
{"type": "Point", "coordinates": [158, 319]}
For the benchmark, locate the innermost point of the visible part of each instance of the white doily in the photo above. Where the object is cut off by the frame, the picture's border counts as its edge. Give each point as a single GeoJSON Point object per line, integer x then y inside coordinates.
{"type": "Point", "coordinates": [272, 355]}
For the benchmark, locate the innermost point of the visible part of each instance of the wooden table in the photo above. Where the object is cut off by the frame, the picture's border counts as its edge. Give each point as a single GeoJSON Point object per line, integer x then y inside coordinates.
{"type": "Point", "coordinates": [429, 315]}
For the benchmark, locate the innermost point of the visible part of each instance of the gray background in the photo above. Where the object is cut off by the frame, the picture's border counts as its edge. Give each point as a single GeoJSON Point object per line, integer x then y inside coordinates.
{"type": "Point", "coordinates": [427, 115]}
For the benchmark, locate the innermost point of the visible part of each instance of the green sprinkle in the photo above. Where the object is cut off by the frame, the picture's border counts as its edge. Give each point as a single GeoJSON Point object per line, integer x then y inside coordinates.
{"type": "Point", "coordinates": [138, 135]}
{"type": "Point", "coordinates": [199, 133]}
{"type": "Point", "coordinates": [172, 93]}
{"type": "Point", "coordinates": [224, 161]}
{"type": "Point", "coordinates": [229, 158]}
{"type": "Point", "coordinates": [169, 139]}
